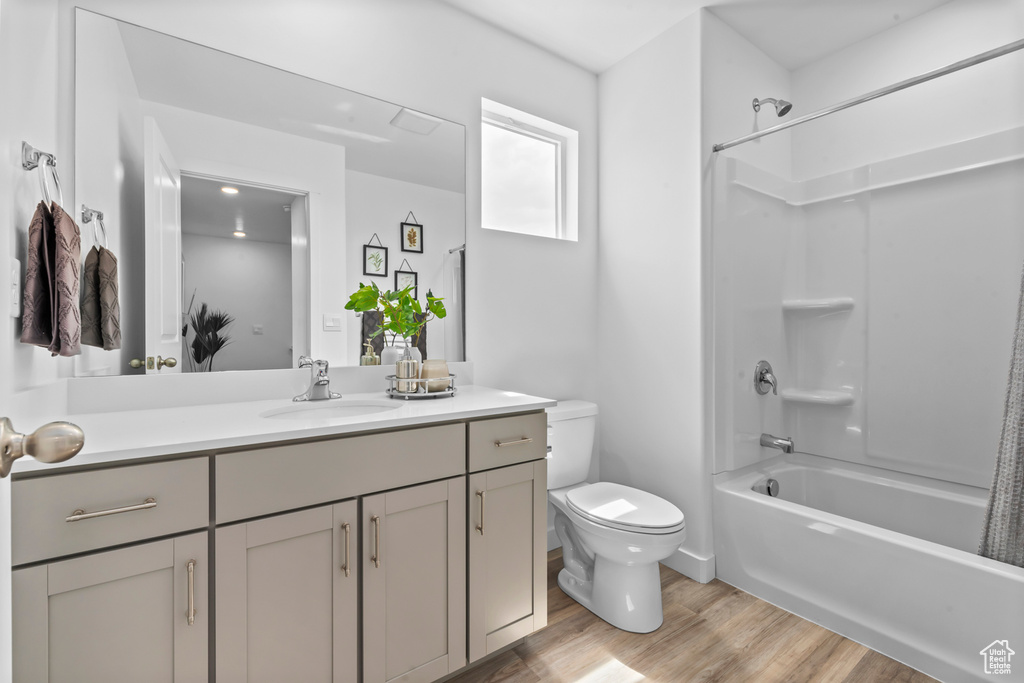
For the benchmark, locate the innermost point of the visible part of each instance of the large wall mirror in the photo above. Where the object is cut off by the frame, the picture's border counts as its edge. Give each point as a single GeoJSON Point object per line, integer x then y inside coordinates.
{"type": "Point", "coordinates": [237, 199]}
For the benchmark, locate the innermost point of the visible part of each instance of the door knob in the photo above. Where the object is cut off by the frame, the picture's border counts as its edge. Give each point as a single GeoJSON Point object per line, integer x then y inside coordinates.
{"type": "Point", "coordinates": [138, 363]}
{"type": "Point", "coordinates": [53, 442]}
{"type": "Point", "coordinates": [161, 362]}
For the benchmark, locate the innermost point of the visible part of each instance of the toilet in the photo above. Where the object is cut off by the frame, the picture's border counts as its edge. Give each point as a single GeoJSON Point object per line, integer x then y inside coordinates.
{"type": "Point", "coordinates": [613, 536]}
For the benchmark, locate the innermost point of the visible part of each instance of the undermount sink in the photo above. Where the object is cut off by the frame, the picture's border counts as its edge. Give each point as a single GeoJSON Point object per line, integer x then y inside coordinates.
{"type": "Point", "coordinates": [330, 410]}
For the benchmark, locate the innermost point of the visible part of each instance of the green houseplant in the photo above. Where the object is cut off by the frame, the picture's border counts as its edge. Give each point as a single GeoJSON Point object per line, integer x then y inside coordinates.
{"type": "Point", "coordinates": [400, 314]}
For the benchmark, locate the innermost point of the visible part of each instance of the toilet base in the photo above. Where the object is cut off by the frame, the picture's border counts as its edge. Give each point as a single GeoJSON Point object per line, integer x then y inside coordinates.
{"type": "Point", "coordinates": [626, 596]}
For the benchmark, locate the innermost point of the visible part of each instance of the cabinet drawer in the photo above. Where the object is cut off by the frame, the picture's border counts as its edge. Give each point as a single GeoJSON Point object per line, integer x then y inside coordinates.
{"type": "Point", "coordinates": [179, 490]}
{"type": "Point", "coordinates": [269, 480]}
{"type": "Point", "coordinates": [507, 441]}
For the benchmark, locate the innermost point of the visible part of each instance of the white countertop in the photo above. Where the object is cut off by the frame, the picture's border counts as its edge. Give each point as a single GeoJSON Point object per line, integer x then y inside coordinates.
{"type": "Point", "coordinates": [123, 436]}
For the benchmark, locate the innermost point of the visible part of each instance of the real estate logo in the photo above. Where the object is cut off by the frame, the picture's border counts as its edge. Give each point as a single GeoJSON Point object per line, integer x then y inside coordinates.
{"type": "Point", "coordinates": [997, 657]}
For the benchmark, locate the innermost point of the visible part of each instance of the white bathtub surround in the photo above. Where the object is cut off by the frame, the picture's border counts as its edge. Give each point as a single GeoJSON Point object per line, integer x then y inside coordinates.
{"type": "Point", "coordinates": [884, 558]}
{"type": "Point", "coordinates": [1003, 535]}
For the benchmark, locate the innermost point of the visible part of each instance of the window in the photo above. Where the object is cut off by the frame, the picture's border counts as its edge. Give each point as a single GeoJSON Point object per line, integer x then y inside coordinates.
{"type": "Point", "coordinates": [528, 173]}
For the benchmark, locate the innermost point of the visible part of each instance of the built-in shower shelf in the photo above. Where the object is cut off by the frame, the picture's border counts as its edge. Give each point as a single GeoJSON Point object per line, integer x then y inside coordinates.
{"type": "Point", "coordinates": [821, 397]}
{"type": "Point", "coordinates": [818, 306]}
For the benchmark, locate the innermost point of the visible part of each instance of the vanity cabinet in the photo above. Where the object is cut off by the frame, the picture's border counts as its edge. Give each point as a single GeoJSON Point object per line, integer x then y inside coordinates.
{"type": "Point", "coordinates": [288, 597]}
{"type": "Point", "coordinates": [507, 531]}
{"type": "Point", "coordinates": [414, 582]}
{"type": "Point", "coordinates": [119, 615]}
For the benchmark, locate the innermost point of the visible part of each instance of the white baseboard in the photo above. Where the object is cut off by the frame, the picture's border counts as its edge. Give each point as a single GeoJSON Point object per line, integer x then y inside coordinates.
{"type": "Point", "coordinates": [694, 566]}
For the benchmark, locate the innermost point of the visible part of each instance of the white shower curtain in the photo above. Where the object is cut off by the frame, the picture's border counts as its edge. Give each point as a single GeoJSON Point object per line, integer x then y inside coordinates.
{"type": "Point", "coordinates": [454, 303]}
{"type": "Point", "coordinates": [1003, 534]}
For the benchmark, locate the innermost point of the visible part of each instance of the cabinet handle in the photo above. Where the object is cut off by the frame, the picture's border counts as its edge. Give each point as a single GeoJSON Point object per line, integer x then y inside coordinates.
{"type": "Point", "coordinates": [79, 515]}
{"type": "Point", "coordinates": [480, 526]}
{"type": "Point", "coordinates": [347, 528]}
{"type": "Point", "coordinates": [375, 558]}
{"type": "Point", "coordinates": [191, 566]}
{"type": "Point", "coordinates": [517, 442]}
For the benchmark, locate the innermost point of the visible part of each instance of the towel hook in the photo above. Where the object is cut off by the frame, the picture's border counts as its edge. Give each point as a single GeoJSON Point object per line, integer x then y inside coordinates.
{"type": "Point", "coordinates": [87, 216]}
{"type": "Point", "coordinates": [32, 158]}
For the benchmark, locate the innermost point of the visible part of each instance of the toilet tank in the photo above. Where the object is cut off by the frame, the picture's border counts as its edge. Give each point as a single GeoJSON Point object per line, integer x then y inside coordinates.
{"type": "Point", "coordinates": [571, 427]}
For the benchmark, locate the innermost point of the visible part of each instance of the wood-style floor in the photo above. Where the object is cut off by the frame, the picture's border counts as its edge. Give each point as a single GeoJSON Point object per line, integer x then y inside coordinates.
{"type": "Point", "coordinates": [712, 632]}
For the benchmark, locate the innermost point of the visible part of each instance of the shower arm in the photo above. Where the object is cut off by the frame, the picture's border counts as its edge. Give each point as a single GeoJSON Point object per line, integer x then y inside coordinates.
{"type": "Point", "coordinates": [875, 94]}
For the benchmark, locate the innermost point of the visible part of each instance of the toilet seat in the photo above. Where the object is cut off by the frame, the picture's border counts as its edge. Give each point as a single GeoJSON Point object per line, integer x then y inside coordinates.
{"type": "Point", "coordinates": [625, 508]}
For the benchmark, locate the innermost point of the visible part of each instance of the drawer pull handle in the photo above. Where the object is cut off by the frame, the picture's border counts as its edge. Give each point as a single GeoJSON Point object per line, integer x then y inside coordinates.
{"type": "Point", "coordinates": [517, 442]}
{"type": "Point", "coordinates": [79, 515]}
{"type": "Point", "coordinates": [347, 528]}
{"type": "Point", "coordinates": [375, 558]}
{"type": "Point", "coordinates": [191, 614]}
{"type": "Point", "coordinates": [480, 526]}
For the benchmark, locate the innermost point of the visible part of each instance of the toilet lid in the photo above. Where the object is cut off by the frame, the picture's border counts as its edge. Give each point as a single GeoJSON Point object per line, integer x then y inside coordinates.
{"type": "Point", "coordinates": [625, 508]}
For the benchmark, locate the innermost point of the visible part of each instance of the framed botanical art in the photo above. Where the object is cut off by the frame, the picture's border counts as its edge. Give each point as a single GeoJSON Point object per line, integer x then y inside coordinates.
{"type": "Point", "coordinates": [412, 237]}
{"type": "Point", "coordinates": [375, 260]}
{"type": "Point", "coordinates": [407, 278]}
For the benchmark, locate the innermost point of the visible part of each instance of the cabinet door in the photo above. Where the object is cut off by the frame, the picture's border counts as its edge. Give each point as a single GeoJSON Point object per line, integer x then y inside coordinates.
{"type": "Point", "coordinates": [414, 583]}
{"type": "Point", "coordinates": [507, 559]}
{"type": "Point", "coordinates": [120, 615]}
{"type": "Point", "coordinates": [287, 598]}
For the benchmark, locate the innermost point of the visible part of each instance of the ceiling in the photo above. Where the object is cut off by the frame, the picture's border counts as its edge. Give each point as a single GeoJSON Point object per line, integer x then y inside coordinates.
{"type": "Point", "coordinates": [259, 212]}
{"type": "Point", "coordinates": [181, 74]}
{"type": "Point", "coordinates": [595, 34]}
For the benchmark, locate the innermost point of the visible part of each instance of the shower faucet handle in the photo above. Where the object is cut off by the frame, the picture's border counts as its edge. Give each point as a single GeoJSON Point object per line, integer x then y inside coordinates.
{"type": "Point", "coordinates": [764, 377]}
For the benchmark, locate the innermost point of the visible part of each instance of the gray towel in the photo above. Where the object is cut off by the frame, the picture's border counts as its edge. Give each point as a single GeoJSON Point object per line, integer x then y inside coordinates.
{"type": "Point", "coordinates": [64, 312]}
{"type": "Point", "coordinates": [1002, 537]}
{"type": "Point", "coordinates": [37, 294]}
{"type": "Point", "coordinates": [101, 312]}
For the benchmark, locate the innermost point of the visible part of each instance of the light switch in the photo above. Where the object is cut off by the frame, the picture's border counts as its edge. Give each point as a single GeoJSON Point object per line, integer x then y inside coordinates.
{"type": "Point", "coordinates": [15, 288]}
{"type": "Point", "coordinates": [332, 323]}
{"type": "Point", "coordinates": [257, 329]}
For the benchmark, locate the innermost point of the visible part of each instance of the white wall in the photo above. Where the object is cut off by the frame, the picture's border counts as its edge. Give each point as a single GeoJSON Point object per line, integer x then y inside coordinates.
{"type": "Point", "coordinates": [433, 58]}
{"type": "Point", "coordinates": [982, 99]}
{"type": "Point", "coordinates": [651, 291]}
{"type": "Point", "coordinates": [377, 205]}
{"type": "Point", "coordinates": [251, 281]}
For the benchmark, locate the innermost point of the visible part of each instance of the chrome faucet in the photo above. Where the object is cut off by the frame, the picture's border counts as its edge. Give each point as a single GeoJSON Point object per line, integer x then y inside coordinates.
{"type": "Point", "coordinates": [783, 443]}
{"type": "Point", "coordinates": [763, 375]}
{"type": "Point", "coordinates": [320, 381]}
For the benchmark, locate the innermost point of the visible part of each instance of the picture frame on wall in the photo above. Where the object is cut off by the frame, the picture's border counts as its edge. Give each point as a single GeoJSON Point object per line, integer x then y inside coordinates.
{"type": "Point", "coordinates": [412, 237]}
{"type": "Point", "coordinates": [407, 278]}
{"type": "Point", "coordinates": [375, 260]}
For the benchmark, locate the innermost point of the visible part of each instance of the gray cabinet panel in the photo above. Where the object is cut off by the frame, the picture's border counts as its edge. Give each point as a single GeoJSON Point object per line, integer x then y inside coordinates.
{"type": "Point", "coordinates": [507, 580]}
{"type": "Point", "coordinates": [285, 608]}
{"type": "Point", "coordinates": [114, 616]}
{"type": "Point", "coordinates": [503, 441]}
{"type": "Point", "coordinates": [414, 583]}
{"type": "Point", "coordinates": [269, 480]}
{"type": "Point", "coordinates": [40, 506]}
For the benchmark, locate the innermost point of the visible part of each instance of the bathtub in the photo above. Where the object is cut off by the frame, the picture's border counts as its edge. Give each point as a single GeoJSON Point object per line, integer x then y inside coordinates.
{"type": "Point", "coordinates": [884, 558]}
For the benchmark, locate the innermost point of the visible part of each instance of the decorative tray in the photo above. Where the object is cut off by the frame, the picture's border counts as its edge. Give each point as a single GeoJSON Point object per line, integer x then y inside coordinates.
{"type": "Point", "coordinates": [421, 388]}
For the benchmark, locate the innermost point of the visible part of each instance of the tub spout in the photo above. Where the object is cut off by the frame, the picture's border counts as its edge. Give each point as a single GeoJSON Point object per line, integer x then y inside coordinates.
{"type": "Point", "coordinates": [784, 444]}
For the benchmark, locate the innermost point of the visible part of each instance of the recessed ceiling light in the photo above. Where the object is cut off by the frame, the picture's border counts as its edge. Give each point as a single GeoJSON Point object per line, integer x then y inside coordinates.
{"type": "Point", "coordinates": [239, 233]}
{"type": "Point", "coordinates": [229, 190]}
{"type": "Point", "coordinates": [415, 121]}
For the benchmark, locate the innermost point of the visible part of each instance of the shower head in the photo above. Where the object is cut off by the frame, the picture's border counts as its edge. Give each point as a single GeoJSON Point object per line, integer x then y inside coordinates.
{"type": "Point", "coordinates": [782, 107]}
